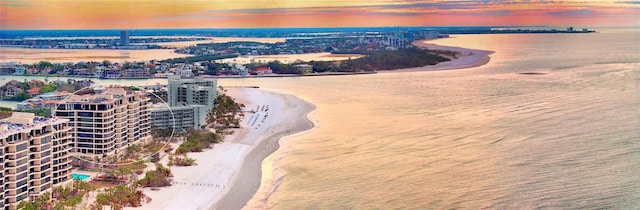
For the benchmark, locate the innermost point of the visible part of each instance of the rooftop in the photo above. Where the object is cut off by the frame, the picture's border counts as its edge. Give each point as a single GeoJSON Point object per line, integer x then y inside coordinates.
{"type": "Point", "coordinates": [101, 95]}
{"type": "Point", "coordinates": [21, 121]}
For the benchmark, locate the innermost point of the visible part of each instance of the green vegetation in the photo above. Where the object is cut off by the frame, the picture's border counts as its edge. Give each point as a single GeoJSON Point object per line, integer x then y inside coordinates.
{"type": "Point", "coordinates": [198, 58]}
{"type": "Point", "coordinates": [42, 112]}
{"type": "Point", "coordinates": [17, 91]}
{"type": "Point", "coordinates": [48, 88]}
{"type": "Point", "coordinates": [223, 116]}
{"type": "Point", "coordinates": [64, 197]}
{"type": "Point", "coordinates": [119, 197]}
{"type": "Point", "coordinates": [391, 60]}
{"type": "Point", "coordinates": [40, 203]}
{"type": "Point", "coordinates": [132, 151]}
{"type": "Point", "coordinates": [21, 96]}
{"type": "Point", "coordinates": [225, 113]}
{"type": "Point", "coordinates": [213, 67]}
{"type": "Point", "coordinates": [181, 161]}
{"type": "Point", "coordinates": [44, 64]}
{"type": "Point", "coordinates": [132, 88]}
{"type": "Point", "coordinates": [373, 61]}
{"type": "Point", "coordinates": [161, 133]}
{"type": "Point", "coordinates": [161, 177]}
{"type": "Point", "coordinates": [197, 140]}
{"type": "Point", "coordinates": [227, 44]}
{"type": "Point", "coordinates": [5, 112]}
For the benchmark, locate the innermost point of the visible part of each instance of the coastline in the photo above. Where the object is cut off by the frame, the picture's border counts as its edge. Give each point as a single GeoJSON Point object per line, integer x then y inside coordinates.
{"type": "Point", "coordinates": [466, 58]}
{"type": "Point", "coordinates": [228, 175]}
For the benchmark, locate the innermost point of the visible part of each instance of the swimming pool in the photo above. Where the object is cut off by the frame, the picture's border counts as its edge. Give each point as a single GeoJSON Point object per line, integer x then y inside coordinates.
{"type": "Point", "coordinates": [81, 177]}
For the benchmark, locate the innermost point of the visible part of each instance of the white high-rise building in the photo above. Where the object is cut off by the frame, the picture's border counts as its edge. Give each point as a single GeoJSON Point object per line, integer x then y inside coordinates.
{"type": "Point", "coordinates": [189, 99]}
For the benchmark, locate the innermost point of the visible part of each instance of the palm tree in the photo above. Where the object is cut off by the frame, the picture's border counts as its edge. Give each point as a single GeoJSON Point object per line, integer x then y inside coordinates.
{"type": "Point", "coordinates": [81, 185]}
{"type": "Point", "coordinates": [123, 171]}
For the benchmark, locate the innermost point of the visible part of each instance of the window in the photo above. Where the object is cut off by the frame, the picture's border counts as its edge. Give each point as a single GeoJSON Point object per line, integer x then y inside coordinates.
{"type": "Point", "coordinates": [85, 114]}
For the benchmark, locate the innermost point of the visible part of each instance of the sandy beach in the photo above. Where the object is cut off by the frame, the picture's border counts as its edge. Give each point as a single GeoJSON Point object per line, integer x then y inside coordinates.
{"type": "Point", "coordinates": [466, 58]}
{"type": "Point", "coordinates": [228, 175]}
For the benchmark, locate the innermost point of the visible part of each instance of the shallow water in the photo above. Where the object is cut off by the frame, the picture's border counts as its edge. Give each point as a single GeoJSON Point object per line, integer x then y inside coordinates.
{"type": "Point", "coordinates": [487, 137]}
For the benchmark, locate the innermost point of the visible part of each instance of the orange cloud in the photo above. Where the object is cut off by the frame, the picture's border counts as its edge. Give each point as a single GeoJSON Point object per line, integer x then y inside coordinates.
{"type": "Point", "coordinates": [79, 14]}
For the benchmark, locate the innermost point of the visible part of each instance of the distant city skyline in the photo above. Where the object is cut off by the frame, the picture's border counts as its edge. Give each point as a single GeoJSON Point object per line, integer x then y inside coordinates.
{"type": "Point", "coordinates": [126, 14]}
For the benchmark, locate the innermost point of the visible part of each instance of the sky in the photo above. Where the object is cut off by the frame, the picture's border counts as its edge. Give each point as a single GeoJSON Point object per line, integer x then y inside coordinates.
{"type": "Point", "coordinates": [138, 14]}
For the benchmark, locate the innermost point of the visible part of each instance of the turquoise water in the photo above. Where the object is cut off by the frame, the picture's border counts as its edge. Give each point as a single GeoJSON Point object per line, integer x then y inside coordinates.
{"type": "Point", "coordinates": [80, 176]}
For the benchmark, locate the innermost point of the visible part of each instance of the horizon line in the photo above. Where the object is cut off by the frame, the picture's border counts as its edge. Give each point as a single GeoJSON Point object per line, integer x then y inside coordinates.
{"type": "Point", "coordinates": [338, 27]}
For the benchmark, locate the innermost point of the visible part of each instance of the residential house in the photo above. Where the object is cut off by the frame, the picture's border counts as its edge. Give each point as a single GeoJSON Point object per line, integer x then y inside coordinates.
{"type": "Point", "coordinates": [264, 70]}
{"type": "Point", "coordinates": [33, 91]}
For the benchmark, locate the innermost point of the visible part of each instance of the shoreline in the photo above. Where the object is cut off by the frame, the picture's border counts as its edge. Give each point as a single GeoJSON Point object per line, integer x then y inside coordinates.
{"type": "Point", "coordinates": [249, 180]}
{"type": "Point", "coordinates": [466, 58]}
{"type": "Point", "coordinates": [228, 175]}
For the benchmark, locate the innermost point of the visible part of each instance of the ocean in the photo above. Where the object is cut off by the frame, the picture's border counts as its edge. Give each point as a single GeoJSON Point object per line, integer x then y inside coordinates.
{"type": "Point", "coordinates": [563, 135]}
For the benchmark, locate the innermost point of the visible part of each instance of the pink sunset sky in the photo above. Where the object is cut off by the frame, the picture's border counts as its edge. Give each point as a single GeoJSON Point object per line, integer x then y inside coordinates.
{"type": "Point", "coordinates": [107, 14]}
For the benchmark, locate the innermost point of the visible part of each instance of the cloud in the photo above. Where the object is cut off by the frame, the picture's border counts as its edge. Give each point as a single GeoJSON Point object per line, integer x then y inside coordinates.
{"type": "Point", "coordinates": [575, 12]}
{"type": "Point", "coordinates": [21, 3]}
{"type": "Point", "coordinates": [628, 2]}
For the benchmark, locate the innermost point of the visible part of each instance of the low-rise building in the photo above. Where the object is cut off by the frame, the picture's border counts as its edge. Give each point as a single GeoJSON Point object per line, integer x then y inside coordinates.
{"type": "Point", "coordinates": [33, 91]}
{"type": "Point", "coordinates": [20, 70]}
{"type": "Point", "coordinates": [264, 70]}
{"type": "Point", "coordinates": [304, 68]}
{"type": "Point", "coordinates": [46, 100]}
{"type": "Point", "coordinates": [135, 73]}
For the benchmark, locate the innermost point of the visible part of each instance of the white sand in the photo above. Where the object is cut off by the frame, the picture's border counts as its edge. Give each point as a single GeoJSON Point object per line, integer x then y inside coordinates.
{"type": "Point", "coordinates": [467, 58]}
{"type": "Point", "coordinates": [228, 175]}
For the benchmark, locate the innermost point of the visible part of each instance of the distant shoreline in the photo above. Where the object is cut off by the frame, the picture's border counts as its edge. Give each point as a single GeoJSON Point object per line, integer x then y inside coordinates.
{"type": "Point", "coordinates": [466, 58]}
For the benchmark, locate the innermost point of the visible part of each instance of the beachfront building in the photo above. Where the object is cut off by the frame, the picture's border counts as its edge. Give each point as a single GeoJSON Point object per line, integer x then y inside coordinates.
{"type": "Point", "coordinates": [107, 120]}
{"type": "Point", "coordinates": [189, 99]}
{"type": "Point", "coordinates": [191, 91]}
{"type": "Point", "coordinates": [35, 156]}
{"type": "Point", "coordinates": [186, 117]}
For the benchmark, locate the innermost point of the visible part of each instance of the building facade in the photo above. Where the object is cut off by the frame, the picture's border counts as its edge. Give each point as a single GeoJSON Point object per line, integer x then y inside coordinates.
{"type": "Point", "coordinates": [35, 154]}
{"type": "Point", "coordinates": [124, 38]}
{"type": "Point", "coordinates": [107, 120]}
{"type": "Point", "coordinates": [182, 117]}
{"type": "Point", "coordinates": [191, 91]}
{"type": "Point", "coordinates": [43, 101]}
{"type": "Point", "coordinates": [135, 73]}
{"type": "Point", "coordinates": [189, 99]}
